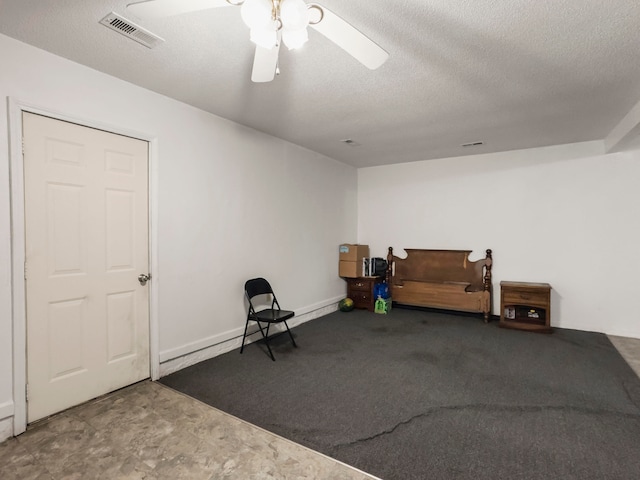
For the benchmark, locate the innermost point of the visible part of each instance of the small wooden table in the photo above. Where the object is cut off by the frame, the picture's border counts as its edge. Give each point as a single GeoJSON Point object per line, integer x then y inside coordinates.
{"type": "Point", "coordinates": [526, 306]}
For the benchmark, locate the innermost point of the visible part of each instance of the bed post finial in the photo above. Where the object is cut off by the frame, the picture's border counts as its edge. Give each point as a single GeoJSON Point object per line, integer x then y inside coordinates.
{"type": "Point", "coordinates": [389, 267]}
{"type": "Point", "coordinates": [487, 275]}
{"type": "Point", "coordinates": [487, 283]}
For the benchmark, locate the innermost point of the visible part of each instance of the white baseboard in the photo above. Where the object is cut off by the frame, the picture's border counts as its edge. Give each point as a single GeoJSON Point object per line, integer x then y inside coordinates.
{"type": "Point", "coordinates": [6, 410]}
{"type": "Point", "coordinates": [6, 428]}
{"type": "Point", "coordinates": [176, 359]}
{"type": "Point", "coordinates": [203, 343]}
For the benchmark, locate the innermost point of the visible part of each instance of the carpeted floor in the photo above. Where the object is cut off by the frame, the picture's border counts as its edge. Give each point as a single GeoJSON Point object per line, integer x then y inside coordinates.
{"type": "Point", "coordinates": [424, 395]}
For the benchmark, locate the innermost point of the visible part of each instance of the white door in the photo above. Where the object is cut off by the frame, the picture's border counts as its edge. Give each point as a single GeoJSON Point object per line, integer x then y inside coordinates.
{"type": "Point", "coordinates": [86, 235]}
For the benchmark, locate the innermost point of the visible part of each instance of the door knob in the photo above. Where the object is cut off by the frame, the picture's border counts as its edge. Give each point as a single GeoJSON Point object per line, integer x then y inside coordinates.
{"type": "Point", "coordinates": [144, 278]}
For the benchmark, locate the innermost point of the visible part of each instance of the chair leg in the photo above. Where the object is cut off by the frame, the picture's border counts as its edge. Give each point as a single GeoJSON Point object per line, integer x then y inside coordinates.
{"type": "Point", "coordinates": [244, 335]}
{"type": "Point", "coordinates": [265, 335]}
{"type": "Point", "coordinates": [266, 340]}
{"type": "Point", "coordinates": [290, 335]}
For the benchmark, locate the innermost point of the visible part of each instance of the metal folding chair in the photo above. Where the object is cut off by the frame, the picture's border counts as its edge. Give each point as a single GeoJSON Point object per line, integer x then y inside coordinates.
{"type": "Point", "coordinates": [256, 287]}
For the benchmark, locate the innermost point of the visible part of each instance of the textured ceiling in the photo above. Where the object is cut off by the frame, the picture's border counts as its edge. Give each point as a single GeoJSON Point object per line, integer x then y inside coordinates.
{"type": "Point", "coordinates": [511, 73]}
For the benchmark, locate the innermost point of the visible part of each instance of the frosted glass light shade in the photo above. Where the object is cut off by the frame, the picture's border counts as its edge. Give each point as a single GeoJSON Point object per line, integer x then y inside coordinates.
{"type": "Point", "coordinates": [294, 14]}
{"type": "Point", "coordinates": [295, 38]}
{"type": "Point", "coordinates": [256, 14]}
{"type": "Point", "coordinates": [264, 37]}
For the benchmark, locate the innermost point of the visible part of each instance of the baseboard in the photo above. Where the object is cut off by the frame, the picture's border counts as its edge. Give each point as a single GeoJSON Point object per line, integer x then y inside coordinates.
{"type": "Point", "coordinates": [6, 410]}
{"type": "Point", "coordinates": [176, 359]}
{"type": "Point", "coordinates": [6, 428]}
{"type": "Point", "coordinates": [182, 350]}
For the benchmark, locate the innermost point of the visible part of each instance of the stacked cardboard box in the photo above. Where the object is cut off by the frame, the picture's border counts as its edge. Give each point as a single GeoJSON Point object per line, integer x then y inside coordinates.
{"type": "Point", "coordinates": [351, 256]}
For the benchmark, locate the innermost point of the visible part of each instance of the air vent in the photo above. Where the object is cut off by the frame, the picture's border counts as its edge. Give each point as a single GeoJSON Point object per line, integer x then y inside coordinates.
{"type": "Point", "coordinates": [129, 29]}
{"type": "Point", "coordinates": [472, 144]}
{"type": "Point", "coordinates": [351, 143]}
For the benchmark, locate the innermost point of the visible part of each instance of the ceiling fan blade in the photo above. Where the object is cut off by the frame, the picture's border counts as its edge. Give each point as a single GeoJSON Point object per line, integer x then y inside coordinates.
{"type": "Point", "coordinates": [265, 63]}
{"type": "Point", "coordinates": [349, 38]}
{"type": "Point", "coordinates": [150, 9]}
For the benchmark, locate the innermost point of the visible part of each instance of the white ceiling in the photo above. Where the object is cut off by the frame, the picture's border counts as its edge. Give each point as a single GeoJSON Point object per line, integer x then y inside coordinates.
{"type": "Point", "coordinates": [511, 73]}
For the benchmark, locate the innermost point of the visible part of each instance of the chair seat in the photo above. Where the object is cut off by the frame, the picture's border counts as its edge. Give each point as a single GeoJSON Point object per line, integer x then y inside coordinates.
{"type": "Point", "coordinates": [270, 315]}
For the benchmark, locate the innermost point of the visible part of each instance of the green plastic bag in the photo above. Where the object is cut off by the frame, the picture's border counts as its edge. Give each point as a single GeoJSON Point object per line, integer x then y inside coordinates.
{"type": "Point", "coordinates": [382, 305]}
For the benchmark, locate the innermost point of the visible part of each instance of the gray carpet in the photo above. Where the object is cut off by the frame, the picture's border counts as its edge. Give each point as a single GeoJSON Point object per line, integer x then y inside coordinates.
{"type": "Point", "coordinates": [425, 395]}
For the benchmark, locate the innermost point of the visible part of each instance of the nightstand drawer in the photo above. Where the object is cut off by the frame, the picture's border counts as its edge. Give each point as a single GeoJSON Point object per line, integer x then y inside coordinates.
{"type": "Point", "coordinates": [361, 299]}
{"type": "Point", "coordinates": [360, 285]}
{"type": "Point", "coordinates": [524, 297]}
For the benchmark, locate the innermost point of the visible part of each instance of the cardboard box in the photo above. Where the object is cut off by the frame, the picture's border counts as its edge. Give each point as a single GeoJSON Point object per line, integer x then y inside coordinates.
{"type": "Point", "coordinates": [350, 269]}
{"type": "Point", "coordinates": [353, 253]}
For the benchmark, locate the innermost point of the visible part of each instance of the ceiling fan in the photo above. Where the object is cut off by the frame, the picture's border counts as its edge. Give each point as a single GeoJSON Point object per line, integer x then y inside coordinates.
{"type": "Point", "coordinates": [272, 22]}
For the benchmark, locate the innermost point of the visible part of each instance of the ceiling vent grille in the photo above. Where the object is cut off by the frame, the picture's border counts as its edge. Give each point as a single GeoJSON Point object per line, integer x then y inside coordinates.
{"type": "Point", "coordinates": [129, 29]}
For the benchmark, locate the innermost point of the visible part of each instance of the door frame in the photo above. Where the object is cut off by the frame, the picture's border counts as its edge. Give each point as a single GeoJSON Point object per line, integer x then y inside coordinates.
{"type": "Point", "coordinates": [18, 288]}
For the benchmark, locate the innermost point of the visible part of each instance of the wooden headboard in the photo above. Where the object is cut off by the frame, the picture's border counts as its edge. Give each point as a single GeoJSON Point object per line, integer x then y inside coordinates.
{"type": "Point", "coordinates": [441, 279]}
{"type": "Point", "coordinates": [440, 266]}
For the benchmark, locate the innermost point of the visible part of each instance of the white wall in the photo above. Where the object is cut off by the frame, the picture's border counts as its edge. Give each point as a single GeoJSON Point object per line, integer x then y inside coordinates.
{"type": "Point", "coordinates": [232, 203]}
{"type": "Point", "coordinates": [566, 215]}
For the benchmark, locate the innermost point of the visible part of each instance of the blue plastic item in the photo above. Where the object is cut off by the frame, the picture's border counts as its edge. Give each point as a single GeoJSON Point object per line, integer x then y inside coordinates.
{"type": "Point", "coordinates": [381, 290]}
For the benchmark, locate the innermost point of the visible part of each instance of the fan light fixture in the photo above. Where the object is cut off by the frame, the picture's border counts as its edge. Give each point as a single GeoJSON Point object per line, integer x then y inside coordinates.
{"type": "Point", "coordinates": [266, 18]}
{"type": "Point", "coordinates": [272, 22]}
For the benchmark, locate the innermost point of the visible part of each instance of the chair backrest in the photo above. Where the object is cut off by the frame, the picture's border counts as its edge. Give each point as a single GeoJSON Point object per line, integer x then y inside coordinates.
{"type": "Point", "coordinates": [257, 286]}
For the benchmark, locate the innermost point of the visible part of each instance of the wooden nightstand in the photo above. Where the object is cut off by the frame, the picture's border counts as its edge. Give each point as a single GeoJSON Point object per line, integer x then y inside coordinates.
{"type": "Point", "coordinates": [526, 306]}
{"type": "Point", "coordinates": [360, 290]}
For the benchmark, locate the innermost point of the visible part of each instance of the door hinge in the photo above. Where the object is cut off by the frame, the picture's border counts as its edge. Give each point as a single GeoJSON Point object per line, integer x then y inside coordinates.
{"type": "Point", "coordinates": [23, 146]}
{"type": "Point", "coordinates": [25, 269]}
{"type": "Point", "coordinates": [26, 392]}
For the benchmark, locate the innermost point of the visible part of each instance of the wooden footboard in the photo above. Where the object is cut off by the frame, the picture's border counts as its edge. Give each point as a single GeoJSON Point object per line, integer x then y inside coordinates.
{"type": "Point", "coordinates": [444, 279]}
